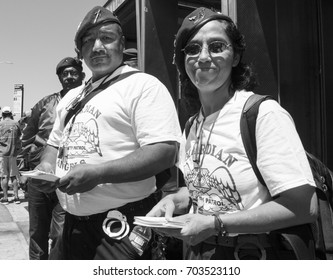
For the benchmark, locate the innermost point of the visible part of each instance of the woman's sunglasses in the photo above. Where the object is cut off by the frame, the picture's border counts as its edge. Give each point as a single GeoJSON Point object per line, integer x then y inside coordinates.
{"type": "Point", "coordinates": [215, 47]}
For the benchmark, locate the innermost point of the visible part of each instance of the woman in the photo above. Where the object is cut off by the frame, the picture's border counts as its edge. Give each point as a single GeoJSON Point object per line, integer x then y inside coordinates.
{"type": "Point", "coordinates": [232, 215]}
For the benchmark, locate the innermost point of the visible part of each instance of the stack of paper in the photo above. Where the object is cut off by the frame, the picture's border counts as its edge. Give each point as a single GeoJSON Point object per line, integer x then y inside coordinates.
{"type": "Point", "coordinates": [40, 175]}
{"type": "Point", "coordinates": [157, 222]}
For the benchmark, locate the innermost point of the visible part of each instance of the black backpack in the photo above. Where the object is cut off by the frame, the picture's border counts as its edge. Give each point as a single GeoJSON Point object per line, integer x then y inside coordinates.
{"type": "Point", "coordinates": [322, 229]}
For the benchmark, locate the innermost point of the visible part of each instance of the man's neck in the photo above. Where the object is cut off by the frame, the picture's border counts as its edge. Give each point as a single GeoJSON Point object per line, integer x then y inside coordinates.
{"type": "Point", "coordinates": [97, 76]}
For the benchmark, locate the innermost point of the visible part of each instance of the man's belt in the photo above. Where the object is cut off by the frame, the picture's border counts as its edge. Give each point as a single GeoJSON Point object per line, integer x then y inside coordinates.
{"type": "Point", "coordinates": [129, 208]}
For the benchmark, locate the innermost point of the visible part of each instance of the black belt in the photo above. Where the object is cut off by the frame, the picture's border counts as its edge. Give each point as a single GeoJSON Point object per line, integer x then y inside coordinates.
{"type": "Point", "coordinates": [246, 240]}
{"type": "Point", "coordinates": [129, 208]}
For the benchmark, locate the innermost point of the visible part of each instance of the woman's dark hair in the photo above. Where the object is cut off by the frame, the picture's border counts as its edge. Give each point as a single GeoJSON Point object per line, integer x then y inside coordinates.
{"type": "Point", "coordinates": [242, 75]}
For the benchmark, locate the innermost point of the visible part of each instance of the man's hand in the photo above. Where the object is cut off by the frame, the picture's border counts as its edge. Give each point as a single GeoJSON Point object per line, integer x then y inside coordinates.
{"type": "Point", "coordinates": [80, 179]}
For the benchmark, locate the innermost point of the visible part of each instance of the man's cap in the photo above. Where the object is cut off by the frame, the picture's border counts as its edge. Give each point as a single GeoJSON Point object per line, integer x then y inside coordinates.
{"type": "Point", "coordinates": [96, 16]}
{"type": "Point", "coordinates": [6, 110]}
{"type": "Point", "coordinates": [69, 62]}
{"type": "Point", "coordinates": [130, 54]}
{"type": "Point", "coordinates": [192, 23]}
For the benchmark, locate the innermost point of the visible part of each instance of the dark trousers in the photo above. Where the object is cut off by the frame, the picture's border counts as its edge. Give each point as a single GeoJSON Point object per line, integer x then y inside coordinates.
{"type": "Point", "coordinates": [46, 219]}
{"type": "Point", "coordinates": [84, 238]}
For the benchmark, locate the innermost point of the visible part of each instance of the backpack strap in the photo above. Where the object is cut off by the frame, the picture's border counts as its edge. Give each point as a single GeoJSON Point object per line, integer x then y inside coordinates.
{"type": "Point", "coordinates": [248, 129]}
{"type": "Point", "coordinates": [295, 235]}
{"type": "Point", "coordinates": [85, 100]}
{"type": "Point", "coordinates": [189, 124]}
{"type": "Point", "coordinates": [187, 128]}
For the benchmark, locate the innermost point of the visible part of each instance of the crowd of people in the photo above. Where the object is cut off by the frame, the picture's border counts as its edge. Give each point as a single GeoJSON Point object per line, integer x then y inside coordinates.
{"type": "Point", "coordinates": [108, 138]}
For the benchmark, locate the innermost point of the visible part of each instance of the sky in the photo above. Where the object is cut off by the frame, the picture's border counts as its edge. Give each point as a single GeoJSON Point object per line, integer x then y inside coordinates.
{"type": "Point", "coordinates": [34, 36]}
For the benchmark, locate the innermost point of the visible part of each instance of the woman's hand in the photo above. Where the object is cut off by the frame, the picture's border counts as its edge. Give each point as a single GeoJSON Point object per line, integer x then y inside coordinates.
{"type": "Point", "coordinates": [165, 208]}
{"type": "Point", "coordinates": [175, 203]}
{"type": "Point", "coordinates": [197, 228]}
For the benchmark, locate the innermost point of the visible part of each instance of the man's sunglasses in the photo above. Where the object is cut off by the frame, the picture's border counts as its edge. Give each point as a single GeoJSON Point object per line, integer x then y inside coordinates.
{"type": "Point", "coordinates": [215, 47]}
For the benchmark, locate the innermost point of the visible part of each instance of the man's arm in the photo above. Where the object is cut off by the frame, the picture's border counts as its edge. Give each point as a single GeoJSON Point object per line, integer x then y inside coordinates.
{"type": "Point", "coordinates": [41, 121]}
{"type": "Point", "coordinates": [31, 129]}
{"type": "Point", "coordinates": [143, 163]}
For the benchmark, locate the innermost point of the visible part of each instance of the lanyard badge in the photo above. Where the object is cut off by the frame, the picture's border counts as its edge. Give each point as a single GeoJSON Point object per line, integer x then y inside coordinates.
{"type": "Point", "coordinates": [115, 225]}
{"type": "Point", "coordinates": [63, 154]}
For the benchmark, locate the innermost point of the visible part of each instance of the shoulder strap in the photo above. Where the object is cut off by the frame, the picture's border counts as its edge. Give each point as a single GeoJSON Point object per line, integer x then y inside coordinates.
{"type": "Point", "coordinates": [78, 108]}
{"type": "Point", "coordinates": [248, 129]}
{"type": "Point", "coordinates": [298, 239]}
{"type": "Point", "coordinates": [187, 128]}
{"type": "Point", "coordinates": [189, 123]}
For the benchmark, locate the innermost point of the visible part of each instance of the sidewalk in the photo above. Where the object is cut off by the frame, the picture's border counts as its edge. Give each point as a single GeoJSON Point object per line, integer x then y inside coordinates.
{"type": "Point", "coordinates": [14, 229]}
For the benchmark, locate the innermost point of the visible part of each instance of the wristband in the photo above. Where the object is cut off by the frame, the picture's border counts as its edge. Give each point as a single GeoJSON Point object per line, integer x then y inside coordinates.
{"type": "Point", "coordinates": [219, 225]}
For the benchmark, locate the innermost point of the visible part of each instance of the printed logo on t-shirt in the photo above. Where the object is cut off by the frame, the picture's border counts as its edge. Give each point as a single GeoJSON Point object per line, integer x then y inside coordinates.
{"type": "Point", "coordinates": [81, 139]}
{"type": "Point", "coordinates": [213, 189]}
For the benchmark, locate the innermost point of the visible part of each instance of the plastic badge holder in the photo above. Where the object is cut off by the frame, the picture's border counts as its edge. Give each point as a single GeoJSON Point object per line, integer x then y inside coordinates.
{"type": "Point", "coordinates": [139, 238]}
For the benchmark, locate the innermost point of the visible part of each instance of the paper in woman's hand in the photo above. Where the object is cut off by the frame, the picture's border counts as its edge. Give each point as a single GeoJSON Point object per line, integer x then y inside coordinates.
{"type": "Point", "coordinates": [40, 175]}
{"type": "Point", "coordinates": [157, 222]}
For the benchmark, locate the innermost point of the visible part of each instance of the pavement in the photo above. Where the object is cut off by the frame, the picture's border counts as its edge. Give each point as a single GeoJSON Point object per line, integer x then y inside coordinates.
{"type": "Point", "coordinates": [14, 229]}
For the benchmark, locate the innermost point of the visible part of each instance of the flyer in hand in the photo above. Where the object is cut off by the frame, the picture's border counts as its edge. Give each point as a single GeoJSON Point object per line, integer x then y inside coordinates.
{"type": "Point", "coordinates": [40, 175]}
{"type": "Point", "coordinates": [157, 222]}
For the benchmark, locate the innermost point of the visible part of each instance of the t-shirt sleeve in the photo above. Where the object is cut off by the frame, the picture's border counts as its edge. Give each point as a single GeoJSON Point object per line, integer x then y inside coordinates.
{"type": "Point", "coordinates": [281, 158]}
{"type": "Point", "coordinates": [154, 115]}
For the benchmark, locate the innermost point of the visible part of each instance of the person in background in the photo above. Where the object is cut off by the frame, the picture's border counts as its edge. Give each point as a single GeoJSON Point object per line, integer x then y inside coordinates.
{"type": "Point", "coordinates": [110, 138]}
{"type": "Point", "coordinates": [46, 216]}
{"type": "Point", "coordinates": [232, 215]}
{"type": "Point", "coordinates": [22, 160]}
{"type": "Point", "coordinates": [131, 57]}
{"type": "Point", "coordinates": [10, 145]}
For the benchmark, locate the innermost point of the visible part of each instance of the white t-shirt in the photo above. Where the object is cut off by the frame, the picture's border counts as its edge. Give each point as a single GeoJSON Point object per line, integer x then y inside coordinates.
{"type": "Point", "coordinates": [131, 113]}
{"type": "Point", "coordinates": [228, 182]}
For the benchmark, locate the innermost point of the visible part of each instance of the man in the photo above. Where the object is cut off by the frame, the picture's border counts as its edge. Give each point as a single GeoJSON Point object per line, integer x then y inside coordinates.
{"type": "Point", "coordinates": [108, 152]}
{"type": "Point", "coordinates": [45, 213]}
{"type": "Point", "coordinates": [10, 145]}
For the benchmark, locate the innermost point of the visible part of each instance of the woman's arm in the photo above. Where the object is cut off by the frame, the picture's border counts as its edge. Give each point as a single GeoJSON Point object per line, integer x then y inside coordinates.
{"type": "Point", "coordinates": [292, 207]}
